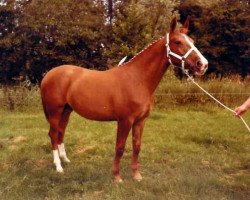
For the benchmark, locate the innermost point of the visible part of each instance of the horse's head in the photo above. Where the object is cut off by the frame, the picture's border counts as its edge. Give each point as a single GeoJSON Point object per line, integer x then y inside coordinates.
{"type": "Point", "coordinates": [182, 52]}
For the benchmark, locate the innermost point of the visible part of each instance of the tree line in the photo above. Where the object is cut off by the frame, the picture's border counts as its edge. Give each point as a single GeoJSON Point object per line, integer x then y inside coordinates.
{"type": "Point", "coordinates": [37, 35]}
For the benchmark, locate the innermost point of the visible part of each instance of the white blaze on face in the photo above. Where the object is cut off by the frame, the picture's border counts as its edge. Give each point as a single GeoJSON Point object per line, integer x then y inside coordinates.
{"type": "Point", "coordinates": [202, 58]}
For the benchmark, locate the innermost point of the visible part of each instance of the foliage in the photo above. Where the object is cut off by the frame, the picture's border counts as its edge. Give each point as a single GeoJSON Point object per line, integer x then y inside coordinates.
{"type": "Point", "coordinates": [129, 33]}
{"type": "Point", "coordinates": [67, 31]}
{"type": "Point", "coordinates": [220, 30]}
{"type": "Point", "coordinates": [36, 35]}
{"type": "Point", "coordinates": [50, 33]}
{"type": "Point", "coordinates": [135, 24]}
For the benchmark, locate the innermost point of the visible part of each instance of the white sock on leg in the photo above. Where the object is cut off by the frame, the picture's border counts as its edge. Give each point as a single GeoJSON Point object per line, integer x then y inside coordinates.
{"type": "Point", "coordinates": [62, 152]}
{"type": "Point", "coordinates": [57, 161]}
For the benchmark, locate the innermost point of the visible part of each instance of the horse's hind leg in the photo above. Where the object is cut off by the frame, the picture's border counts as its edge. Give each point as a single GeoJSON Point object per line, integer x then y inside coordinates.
{"type": "Point", "coordinates": [53, 133]}
{"type": "Point", "coordinates": [62, 126]}
{"type": "Point", "coordinates": [54, 117]}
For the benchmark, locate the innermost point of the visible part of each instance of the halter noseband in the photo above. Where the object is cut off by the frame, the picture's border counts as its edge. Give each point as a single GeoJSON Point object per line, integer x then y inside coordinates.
{"type": "Point", "coordinates": [182, 58]}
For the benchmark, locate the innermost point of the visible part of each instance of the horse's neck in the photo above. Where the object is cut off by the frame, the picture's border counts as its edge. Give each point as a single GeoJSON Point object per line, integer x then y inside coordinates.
{"type": "Point", "coordinates": [150, 65]}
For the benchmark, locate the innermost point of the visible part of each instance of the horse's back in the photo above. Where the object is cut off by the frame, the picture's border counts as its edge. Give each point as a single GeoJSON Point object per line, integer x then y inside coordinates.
{"type": "Point", "coordinates": [60, 72]}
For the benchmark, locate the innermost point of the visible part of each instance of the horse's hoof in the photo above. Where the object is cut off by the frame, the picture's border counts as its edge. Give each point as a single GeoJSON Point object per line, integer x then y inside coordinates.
{"type": "Point", "coordinates": [137, 177]}
{"type": "Point", "coordinates": [118, 180]}
{"type": "Point", "coordinates": [65, 159]}
{"type": "Point", "coordinates": [59, 169]}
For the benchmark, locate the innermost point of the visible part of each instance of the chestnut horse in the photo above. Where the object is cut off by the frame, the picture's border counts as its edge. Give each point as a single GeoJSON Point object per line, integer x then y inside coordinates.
{"type": "Point", "coordinates": [123, 94]}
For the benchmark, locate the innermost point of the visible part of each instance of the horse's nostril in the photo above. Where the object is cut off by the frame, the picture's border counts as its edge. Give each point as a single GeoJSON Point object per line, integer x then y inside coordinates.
{"type": "Point", "coordinates": [199, 63]}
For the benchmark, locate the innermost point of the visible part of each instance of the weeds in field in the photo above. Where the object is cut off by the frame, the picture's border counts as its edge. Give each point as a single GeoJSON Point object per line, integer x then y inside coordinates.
{"type": "Point", "coordinates": [171, 92]}
{"type": "Point", "coordinates": [19, 97]}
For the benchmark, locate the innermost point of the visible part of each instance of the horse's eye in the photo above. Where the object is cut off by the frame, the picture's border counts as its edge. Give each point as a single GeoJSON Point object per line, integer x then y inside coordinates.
{"type": "Point", "coordinates": [178, 42]}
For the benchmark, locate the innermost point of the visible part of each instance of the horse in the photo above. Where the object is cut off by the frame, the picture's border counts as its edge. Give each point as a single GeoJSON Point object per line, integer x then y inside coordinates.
{"type": "Point", "coordinates": [124, 94]}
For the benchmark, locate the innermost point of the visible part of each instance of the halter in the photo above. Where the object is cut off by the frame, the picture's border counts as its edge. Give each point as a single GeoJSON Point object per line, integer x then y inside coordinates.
{"type": "Point", "coordinates": [182, 58]}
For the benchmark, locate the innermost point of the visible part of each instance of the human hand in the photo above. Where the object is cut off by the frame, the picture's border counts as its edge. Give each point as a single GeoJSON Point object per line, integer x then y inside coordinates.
{"type": "Point", "coordinates": [239, 111]}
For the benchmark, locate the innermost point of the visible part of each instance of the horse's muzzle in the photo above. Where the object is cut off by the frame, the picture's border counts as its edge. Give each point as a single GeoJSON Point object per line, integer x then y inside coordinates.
{"type": "Point", "coordinates": [201, 68]}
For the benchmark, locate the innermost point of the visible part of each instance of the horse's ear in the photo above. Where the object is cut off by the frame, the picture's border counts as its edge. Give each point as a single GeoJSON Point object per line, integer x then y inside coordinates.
{"type": "Point", "coordinates": [173, 24]}
{"type": "Point", "coordinates": [186, 23]}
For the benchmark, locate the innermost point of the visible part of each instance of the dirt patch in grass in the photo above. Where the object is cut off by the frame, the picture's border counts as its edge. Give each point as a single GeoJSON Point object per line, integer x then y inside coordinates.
{"type": "Point", "coordinates": [15, 142]}
{"type": "Point", "coordinates": [82, 150]}
{"type": "Point", "coordinates": [19, 139]}
{"type": "Point", "coordinates": [40, 165]}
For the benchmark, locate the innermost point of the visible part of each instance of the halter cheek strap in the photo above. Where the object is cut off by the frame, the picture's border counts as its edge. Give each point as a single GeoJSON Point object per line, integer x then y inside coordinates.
{"type": "Point", "coordinates": [182, 58]}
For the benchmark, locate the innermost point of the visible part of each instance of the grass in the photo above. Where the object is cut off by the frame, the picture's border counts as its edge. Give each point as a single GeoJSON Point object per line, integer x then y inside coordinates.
{"type": "Point", "coordinates": [192, 148]}
{"type": "Point", "coordinates": [187, 153]}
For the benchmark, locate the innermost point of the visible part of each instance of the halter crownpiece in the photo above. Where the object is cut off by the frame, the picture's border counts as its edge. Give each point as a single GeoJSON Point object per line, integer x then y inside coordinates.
{"type": "Point", "coordinates": [182, 58]}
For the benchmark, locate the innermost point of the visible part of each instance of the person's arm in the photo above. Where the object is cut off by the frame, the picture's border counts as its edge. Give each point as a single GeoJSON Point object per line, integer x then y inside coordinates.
{"type": "Point", "coordinates": [239, 111]}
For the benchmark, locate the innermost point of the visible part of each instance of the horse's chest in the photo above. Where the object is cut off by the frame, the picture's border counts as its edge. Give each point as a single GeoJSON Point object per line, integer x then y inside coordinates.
{"type": "Point", "coordinates": [138, 107]}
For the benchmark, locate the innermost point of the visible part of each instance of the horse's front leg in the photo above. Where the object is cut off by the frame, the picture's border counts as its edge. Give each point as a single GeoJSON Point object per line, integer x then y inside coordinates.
{"type": "Point", "coordinates": [123, 129]}
{"type": "Point", "coordinates": [137, 135]}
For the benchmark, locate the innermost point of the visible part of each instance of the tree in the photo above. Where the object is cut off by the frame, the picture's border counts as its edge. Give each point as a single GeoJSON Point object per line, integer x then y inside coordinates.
{"type": "Point", "coordinates": [10, 56]}
{"type": "Point", "coordinates": [49, 33]}
{"type": "Point", "coordinates": [136, 24]}
{"type": "Point", "coordinates": [220, 29]}
{"type": "Point", "coordinates": [69, 31]}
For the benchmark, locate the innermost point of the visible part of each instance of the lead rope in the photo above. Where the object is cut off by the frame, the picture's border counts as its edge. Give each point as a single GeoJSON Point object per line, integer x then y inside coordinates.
{"type": "Point", "coordinates": [191, 78]}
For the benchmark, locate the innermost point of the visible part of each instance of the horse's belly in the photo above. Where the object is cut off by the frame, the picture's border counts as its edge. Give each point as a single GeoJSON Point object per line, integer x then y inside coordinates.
{"type": "Point", "coordinates": [93, 107]}
{"type": "Point", "coordinates": [98, 114]}
{"type": "Point", "coordinates": [97, 96]}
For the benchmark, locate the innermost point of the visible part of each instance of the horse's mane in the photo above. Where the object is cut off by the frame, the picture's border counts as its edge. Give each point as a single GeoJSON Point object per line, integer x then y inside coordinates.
{"type": "Point", "coordinates": [147, 47]}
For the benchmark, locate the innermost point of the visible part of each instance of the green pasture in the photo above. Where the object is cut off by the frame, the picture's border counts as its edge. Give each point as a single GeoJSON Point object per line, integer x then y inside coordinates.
{"type": "Point", "coordinates": [191, 149]}
{"type": "Point", "coordinates": [186, 154]}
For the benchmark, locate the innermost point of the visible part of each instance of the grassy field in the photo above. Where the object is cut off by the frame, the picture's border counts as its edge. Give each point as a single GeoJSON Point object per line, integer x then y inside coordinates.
{"type": "Point", "coordinates": [192, 148]}
{"type": "Point", "coordinates": [187, 153]}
